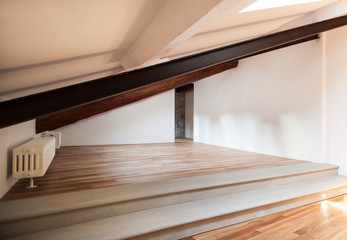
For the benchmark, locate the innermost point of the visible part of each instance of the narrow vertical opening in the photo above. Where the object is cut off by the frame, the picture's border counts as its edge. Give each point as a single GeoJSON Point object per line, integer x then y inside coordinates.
{"type": "Point", "coordinates": [17, 163]}
{"type": "Point", "coordinates": [23, 162]}
{"type": "Point", "coordinates": [179, 114]}
{"type": "Point", "coordinates": [29, 160]}
{"type": "Point", "coordinates": [34, 162]}
{"type": "Point", "coordinates": [184, 111]}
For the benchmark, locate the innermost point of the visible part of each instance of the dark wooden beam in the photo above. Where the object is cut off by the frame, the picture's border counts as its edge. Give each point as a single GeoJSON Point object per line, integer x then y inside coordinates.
{"type": "Point", "coordinates": [66, 117]}
{"type": "Point", "coordinates": [69, 116]}
{"type": "Point", "coordinates": [186, 88]}
{"type": "Point", "coordinates": [33, 106]}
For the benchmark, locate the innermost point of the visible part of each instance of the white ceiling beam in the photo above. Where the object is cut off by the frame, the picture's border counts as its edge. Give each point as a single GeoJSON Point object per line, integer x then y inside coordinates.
{"type": "Point", "coordinates": [177, 21]}
{"type": "Point", "coordinates": [219, 38]}
{"type": "Point", "coordinates": [335, 9]}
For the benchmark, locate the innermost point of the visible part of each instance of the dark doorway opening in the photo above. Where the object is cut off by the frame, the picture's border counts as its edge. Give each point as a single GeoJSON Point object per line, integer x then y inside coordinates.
{"type": "Point", "coordinates": [184, 111]}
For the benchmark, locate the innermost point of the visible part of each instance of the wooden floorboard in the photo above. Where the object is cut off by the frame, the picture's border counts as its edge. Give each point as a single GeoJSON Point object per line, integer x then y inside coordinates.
{"type": "Point", "coordinates": [325, 220]}
{"type": "Point", "coordinates": [88, 167]}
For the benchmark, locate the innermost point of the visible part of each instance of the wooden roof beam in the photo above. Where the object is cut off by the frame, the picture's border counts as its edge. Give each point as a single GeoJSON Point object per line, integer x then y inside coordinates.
{"type": "Point", "coordinates": [69, 116]}
{"type": "Point", "coordinates": [37, 105]}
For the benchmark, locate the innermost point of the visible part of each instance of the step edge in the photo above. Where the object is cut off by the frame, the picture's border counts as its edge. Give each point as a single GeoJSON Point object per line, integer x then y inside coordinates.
{"type": "Point", "coordinates": [145, 212]}
{"type": "Point", "coordinates": [32, 207]}
{"type": "Point", "coordinates": [339, 186]}
{"type": "Point", "coordinates": [66, 218]}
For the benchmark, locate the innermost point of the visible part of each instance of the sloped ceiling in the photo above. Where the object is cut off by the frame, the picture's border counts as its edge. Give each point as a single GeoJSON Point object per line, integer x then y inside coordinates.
{"type": "Point", "coordinates": [50, 44]}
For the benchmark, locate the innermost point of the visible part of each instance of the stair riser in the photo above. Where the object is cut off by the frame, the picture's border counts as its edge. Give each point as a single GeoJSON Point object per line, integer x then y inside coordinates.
{"type": "Point", "coordinates": [46, 205]}
{"type": "Point", "coordinates": [201, 226]}
{"type": "Point", "coordinates": [40, 223]}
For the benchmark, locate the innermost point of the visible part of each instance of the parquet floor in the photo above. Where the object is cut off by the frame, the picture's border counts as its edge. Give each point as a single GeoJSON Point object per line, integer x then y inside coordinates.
{"type": "Point", "coordinates": [326, 220]}
{"type": "Point", "coordinates": [89, 167]}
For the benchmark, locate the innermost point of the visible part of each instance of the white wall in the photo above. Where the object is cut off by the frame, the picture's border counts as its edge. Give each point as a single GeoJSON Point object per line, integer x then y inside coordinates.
{"type": "Point", "coordinates": [11, 137]}
{"type": "Point", "coordinates": [189, 113]}
{"type": "Point", "coordinates": [336, 73]}
{"type": "Point", "coordinates": [270, 103]}
{"type": "Point", "coordinates": [147, 121]}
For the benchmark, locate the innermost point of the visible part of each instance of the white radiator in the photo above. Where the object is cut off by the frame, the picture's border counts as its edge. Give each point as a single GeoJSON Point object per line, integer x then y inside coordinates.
{"type": "Point", "coordinates": [33, 158]}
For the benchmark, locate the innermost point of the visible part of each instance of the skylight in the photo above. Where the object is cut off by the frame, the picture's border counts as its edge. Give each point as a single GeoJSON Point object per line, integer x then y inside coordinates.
{"type": "Point", "coordinates": [265, 4]}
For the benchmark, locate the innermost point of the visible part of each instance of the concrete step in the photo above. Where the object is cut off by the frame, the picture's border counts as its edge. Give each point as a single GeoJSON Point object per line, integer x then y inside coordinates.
{"type": "Point", "coordinates": [48, 212]}
{"type": "Point", "coordinates": [185, 219]}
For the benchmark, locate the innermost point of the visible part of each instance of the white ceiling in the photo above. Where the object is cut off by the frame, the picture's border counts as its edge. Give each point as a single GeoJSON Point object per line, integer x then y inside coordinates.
{"type": "Point", "coordinates": [36, 31]}
{"type": "Point", "coordinates": [49, 44]}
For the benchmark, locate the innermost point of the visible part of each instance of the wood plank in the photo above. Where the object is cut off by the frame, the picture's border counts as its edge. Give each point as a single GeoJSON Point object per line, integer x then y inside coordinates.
{"type": "Point", "coordinates": [325, 220]}
{"type": "Point", "coordinates": [89, 167]}
{"type": "Point", "coordinates": [33, 106]}
{"type": "Point", "coordinates": [69, 116]}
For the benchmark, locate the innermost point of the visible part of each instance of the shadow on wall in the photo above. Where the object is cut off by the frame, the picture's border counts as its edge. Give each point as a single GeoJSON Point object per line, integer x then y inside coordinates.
{"type": "Point", "coordinates": [270, 104]}
{"type": "Point", "coordinates": [284, 137]}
